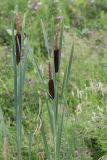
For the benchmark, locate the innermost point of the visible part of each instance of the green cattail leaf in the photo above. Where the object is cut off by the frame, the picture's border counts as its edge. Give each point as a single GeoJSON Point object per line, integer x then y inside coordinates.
{"type": "Point", "coordinates": [69, 153]}
{"type": "Point", "coordinates": [52, 34]}
{"type": "Point", "coordinates": [71, 144]}
{"type": "Point", "coordinates": [50, 119]}
{"type": "Point", "coordinates": [14, 64]}
{"type": "Point", "coordinates": [38, 70]}
{"type": "Point", "coordinates": [56, 104]}
{"type": "Point", "coordinates": [30, 143]}
{"type": "Point", "coordinates": [45, 37]}
{"type": "Point", "coordinates": [67, 71]}
{"type": "Point", "coordinates": [35, 64]}
{"type": "Point", "coordinates": [59, 136]}
{"type": "Point", "coordinates": [25, 61]}
{"type": "Point", "coordinates": [19, 112]}
{"type": "Point", "coordinates": [55, 107]}
{"type": "Point", "coordinates": [45, 143]}
{"type": "Point", "coordinates": [70, 62]}
{"type": "Point", "coordinates": [60, 43]}
{"type": "Point", "coordinates": [64, 81]}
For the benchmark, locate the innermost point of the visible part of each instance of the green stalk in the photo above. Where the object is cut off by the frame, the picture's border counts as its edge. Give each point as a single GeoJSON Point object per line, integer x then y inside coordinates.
{"type": "Point", "coordinates": [19, 113]}
{"type": "Point", "coordinates": [19, 77]}
{"type": "Point", "coordinates": [15, 90]}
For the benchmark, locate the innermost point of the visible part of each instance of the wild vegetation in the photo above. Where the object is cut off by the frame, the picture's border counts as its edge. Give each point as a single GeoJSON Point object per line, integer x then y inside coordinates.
{"type": "Point", "coordinates": [44, 113]}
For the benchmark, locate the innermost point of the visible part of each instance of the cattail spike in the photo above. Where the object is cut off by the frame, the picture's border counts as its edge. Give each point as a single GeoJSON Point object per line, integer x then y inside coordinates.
{"type": "Point", "coordinates": [51, 88]}
{"type": "Point", "coordinates": [18, 39]}
{"type": "Point", "coordinates": [56, 60]}
{"type": "Point", "coordinates": [56, 54]}
{"type": "Point", "coordinates": [50, 83]}
{"type": "Point", "coordinates": [18, 47]}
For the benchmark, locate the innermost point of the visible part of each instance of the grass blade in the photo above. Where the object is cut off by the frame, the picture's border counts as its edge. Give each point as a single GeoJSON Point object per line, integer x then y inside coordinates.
{"type": "Point", "coordinates": [45, 142]}
{"type": "Point", "coordinates": [50, 119]}
{"type": "Point", "coordinates": [14, 65]}
{"type": "Point", "coordinates": [45, 37]}
{"type": "Point", "coordinates": [25, 62]}
{"type": "Point", "coordinates": [64, 81]}
{"type": "Point", "coordinates": [60, 44]}
{"type": "Point", "coordinates": [67, 71]}
{"type": "Point", "coordinates": [20, 96]}
{"type": "Point", "coordinates": [71, 145]}
{"type": "Point", "coordinates": [59, 135]}
{"type": "Point", "coordinates": [70, 62]}
{"type": "Point", "coordinates": [36, 65]}
{"type": "Point", "coordinates": [30, 143]}
{"type": "Point", "coordinates": [52, 35]}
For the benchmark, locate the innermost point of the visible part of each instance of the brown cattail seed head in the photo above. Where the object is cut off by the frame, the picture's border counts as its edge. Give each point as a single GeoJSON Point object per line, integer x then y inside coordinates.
{"type": "Point", "coordinates": [18, 39]}
{"type": "Point", "coordinates": [51, 88]}
{"type": "Point", "coordinates": [56, 54]}
{"type": "Point", "coordinates": [56, 60]}
{"type": "Point", "coordinates": [18, 47]}
{"type": "Point", "coordinates": [50, 83]}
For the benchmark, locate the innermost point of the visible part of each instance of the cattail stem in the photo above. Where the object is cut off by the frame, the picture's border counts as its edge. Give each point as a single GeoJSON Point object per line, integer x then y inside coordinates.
{"type": "Point", "coordinates": [56, 41]}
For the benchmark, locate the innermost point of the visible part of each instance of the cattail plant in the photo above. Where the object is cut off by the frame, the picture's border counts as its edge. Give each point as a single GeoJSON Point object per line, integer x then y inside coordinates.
{"type": "Point", "coordinates": [19, 77]}
{"type": "Point", "coordinates": [50, 83]}
{"type": "Point", "coordinates": [55, 117]}
{"type": "Point", "coordinates": [56, 54]}
{"type": "Point", "coordinates": [18, 39]}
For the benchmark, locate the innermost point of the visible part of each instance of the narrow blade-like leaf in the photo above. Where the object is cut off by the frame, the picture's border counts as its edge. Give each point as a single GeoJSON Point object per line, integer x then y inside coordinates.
{"type": "Point", "coordinates": [67, 71]}
{"type": "Point", "coordinates": [45, 142]}
{"type": "Point", "coordinates": [45, 37]}
{"type": "Point", "coordinates": [59, 135]}
{"type": "Point", "coordinates": [60, 44]}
